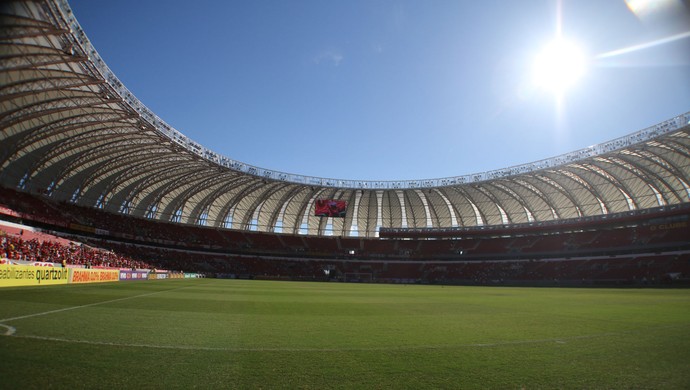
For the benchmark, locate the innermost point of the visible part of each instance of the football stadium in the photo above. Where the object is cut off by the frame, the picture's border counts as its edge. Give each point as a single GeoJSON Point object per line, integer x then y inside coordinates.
{"type": "Point", "coordinates": [133, 256]}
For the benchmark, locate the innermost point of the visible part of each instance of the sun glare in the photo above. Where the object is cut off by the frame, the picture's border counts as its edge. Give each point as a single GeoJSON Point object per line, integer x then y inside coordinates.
{"type": "Point", "coordinates": [559, 66]}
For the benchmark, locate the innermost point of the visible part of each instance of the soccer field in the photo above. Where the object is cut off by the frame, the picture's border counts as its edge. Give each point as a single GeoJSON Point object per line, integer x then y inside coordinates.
{"type": "Point", "coordinates": [207, 333]}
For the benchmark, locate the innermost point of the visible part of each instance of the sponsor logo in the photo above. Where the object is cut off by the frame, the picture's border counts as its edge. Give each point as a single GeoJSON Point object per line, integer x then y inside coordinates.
{"type": "Point", "coordinates": [94, 276]}
{"type": "Point", "coordinates": [25, 275]}
{"type": "Point", "coordinates": [669, 226]}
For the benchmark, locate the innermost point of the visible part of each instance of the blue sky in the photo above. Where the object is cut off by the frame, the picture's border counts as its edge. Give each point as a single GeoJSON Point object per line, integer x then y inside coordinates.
{"type": "Point", "coordinates": [390, 89]}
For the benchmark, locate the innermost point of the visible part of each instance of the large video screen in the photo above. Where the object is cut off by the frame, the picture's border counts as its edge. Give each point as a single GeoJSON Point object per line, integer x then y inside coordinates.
{"type": "Point", "coordinates": [330, 208]}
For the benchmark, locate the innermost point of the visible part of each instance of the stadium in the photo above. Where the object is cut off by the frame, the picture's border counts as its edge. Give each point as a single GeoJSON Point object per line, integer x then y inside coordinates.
{"type": "Point", "coordinates": [95, 182]}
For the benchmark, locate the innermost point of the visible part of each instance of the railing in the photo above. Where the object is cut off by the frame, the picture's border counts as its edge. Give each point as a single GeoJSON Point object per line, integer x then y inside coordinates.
{"type": "Point", "coordinates": [421, 232]}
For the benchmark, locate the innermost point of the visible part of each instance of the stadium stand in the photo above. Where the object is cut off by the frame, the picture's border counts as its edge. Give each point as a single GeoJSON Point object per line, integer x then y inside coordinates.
{"type": "Point", "coordinates": [649, 248]}
{"type": "Point", "coordinates": [82, 159]}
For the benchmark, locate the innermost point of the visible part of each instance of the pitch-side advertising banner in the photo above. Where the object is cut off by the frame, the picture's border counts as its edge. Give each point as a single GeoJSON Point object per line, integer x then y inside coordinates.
{"type": "Point", "coordinates": [157, 275]}
{"type": "Point", "coordinates": [133, 275]}
{"type": "Point", "coordinates": [81, 275]}
{"type": "Point", "coordinates": [28, 275]}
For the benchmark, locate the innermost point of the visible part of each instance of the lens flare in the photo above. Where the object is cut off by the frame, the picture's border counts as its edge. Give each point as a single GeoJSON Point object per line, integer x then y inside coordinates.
{"type": "Point", "coordinates": [645, 45]}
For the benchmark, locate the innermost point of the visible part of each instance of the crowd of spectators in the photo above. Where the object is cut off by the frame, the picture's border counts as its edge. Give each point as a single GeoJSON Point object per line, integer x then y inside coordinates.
{"type": "Point", "coordinates": [15, 247]}
{"type": "Point", "coordinates": [623, 269]}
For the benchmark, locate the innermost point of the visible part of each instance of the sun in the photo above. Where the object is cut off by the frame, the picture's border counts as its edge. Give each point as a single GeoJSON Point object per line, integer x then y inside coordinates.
{"type": "Point", "coordinates": [559, 66]}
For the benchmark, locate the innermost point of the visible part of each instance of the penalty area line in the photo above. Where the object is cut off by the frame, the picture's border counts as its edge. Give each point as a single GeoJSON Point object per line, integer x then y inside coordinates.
{"type": "Point", "coordinates": [10, 330]}
{"type": "Point", "coordinates": [555, 340]}
{"type": "Point", "coordinates": [561, 340]}
{"type": "Point", "coordinates": [2, 321]}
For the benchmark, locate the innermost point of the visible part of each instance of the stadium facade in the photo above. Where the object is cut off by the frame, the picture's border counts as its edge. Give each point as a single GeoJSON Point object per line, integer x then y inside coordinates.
{"type": "Point", "coordinates": [71, 132]}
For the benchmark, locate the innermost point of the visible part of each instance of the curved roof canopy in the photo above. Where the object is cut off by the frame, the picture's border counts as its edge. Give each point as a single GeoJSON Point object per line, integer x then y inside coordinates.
{"type": "Point", "coordinates": [70, 130]}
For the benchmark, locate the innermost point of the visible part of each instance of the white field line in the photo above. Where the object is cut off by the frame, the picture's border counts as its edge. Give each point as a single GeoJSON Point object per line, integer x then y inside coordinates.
{"type": "Point", "coordinates": [2, 321]}
{"type": "Point", "coordinates": [560, 340]}
{"type": "Point", "coordinates": [10, 330]}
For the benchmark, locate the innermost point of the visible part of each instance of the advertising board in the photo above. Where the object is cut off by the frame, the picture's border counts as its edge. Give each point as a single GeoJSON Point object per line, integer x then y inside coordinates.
{"type": "Point", "coordinates": [29, 275]}
{"type": "Point", "coordinates": [83, 275]}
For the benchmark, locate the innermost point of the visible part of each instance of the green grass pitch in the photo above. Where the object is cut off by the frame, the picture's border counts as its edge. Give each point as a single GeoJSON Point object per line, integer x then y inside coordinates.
{"type": "Point", "coordinates": [208, 333]}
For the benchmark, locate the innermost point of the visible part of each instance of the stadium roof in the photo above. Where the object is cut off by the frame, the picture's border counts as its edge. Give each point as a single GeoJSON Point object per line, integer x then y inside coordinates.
{"type": "Point", "coordinates": [72, 131]}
